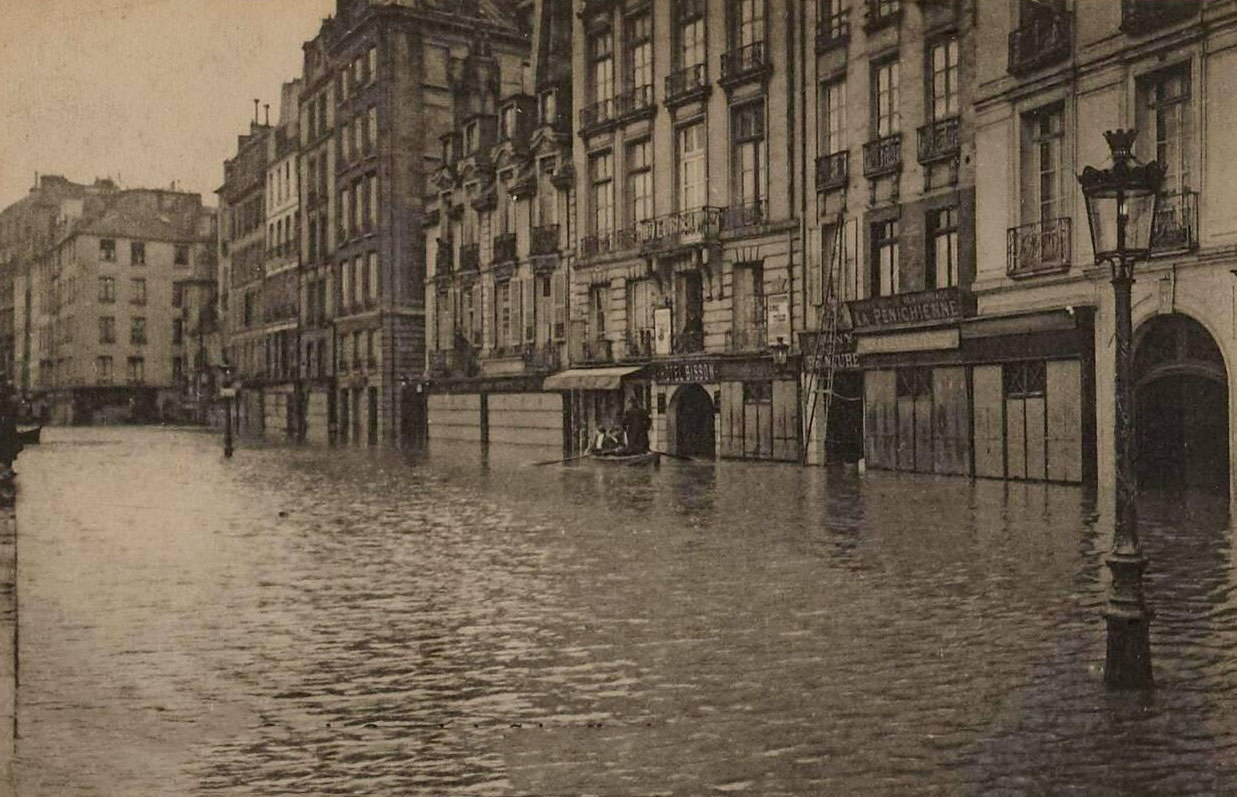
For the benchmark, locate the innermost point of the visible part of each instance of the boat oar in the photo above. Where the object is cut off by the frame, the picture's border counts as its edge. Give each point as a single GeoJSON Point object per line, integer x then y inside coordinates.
{"type": "Point", "coordinates": [683, 457]}
{"type": "Point", "coordinates": [559, 461]}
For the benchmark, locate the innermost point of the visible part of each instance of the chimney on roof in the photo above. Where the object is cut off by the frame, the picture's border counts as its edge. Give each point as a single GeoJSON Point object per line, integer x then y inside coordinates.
{"type": "Point", "coordinates": [255, 110]}
{"type": "Point", "coordinates": [266, 107]}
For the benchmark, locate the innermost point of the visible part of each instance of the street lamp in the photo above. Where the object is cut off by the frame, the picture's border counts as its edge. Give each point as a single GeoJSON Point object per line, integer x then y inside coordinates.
{"type": "Point", "coordinates": [781, 353]}
{"type": "Point", "coordinates": [1121, 203]}
{"type": "Point", "coordinates": [226, 390]}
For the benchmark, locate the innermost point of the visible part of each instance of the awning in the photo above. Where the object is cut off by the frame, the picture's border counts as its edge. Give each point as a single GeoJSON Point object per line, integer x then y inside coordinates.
{"type": "Point", "coordinates": [588, 378]}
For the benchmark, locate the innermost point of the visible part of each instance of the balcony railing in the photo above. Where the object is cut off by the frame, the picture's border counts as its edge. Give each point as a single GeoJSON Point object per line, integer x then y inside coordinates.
{"type": "Point", "coordinates": [597, 114]}
{"type": "Point", "coordinates": [882, 156]}
{"type": "Point", "coordinates": [939, 140]}
{"type": "Point", "coordinates": [639, 343]}
{"type": "Point", "coordinates": [504, 248]}
{"type": "Point", "coordinates": [1176, 222]}
{"type": "Point", "coordinates": [597, 244]}
{"type": "Point", "coordinates": [543, 358]}
{"type": "Point", "coordinates": [443, 260]}
{"type": "Point", "coordinates": [688, 341]}
{"type": "Point", "coordinates": [1042, 41]}
{"type": "Point", "coordinates": [470, 257]}
{"type": "Point", "coordinates": [686, 227]}
{"type": "Point", "coordinates": [460, 361]}
{"type": "Point", "coordinates": [752, 338]}
{"type": "Point", "coordinates": [747, 214]}
{"type": "Point", "coordinates": [1144, 16]}
{"type": "Point", "coordinates": [634, 102]}
{"type": "Point", "coordinates": [544, 240]}
{"type": "Point", "coordinates": [1038, 248]}
{"type": "Point", "coordinates": [686, 83]}
{"type": "Point", "coordinates": [597, 350]}
{"type": "Point", "coordinates": [745, 62]}
{"type": "Point", "coordinates": [832, 171]}
{"type": "Point", "coordinates": [833, 32]}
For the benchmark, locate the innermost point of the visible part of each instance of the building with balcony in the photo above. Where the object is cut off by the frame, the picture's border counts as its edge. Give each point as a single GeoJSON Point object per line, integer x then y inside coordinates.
{"type": "Point", "coordinates": [885, 295]}
{"type": "Point", "coordinates": [499, 239]}
{"type": "Point", "coordinates": [104, 308]}
{"type": "Point", "coordinates": [687, 212]}
{"type": "Point", "coordinates": [1043, 403]}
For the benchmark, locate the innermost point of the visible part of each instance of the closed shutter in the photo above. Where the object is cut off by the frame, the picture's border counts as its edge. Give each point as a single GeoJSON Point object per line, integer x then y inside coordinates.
{"type": "Point", "coordinates": [989, 421]}
{"type": "Point", "coordinates": [952, 420]}
{"type": "Point", "coordinates": [1065, 421]}
{"type": "Point", "coordinates": [880, 407]}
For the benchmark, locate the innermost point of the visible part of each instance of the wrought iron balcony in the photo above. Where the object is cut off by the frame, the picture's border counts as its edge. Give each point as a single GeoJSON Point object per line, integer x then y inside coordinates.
{"type": "Point", "coordinates": [686, 84]}
{"type": "Point", "coordinates": [1044, 40]}
{"type": "Point", "coordinates": [688, 341]}
{"type": "Point", "coordinates": [504, 248]}
{"type": "Point", "coordinates": [470, 257]}
{"type": "Point", "coordinates": [544, 240]}
{"type": "Point", "coordinates": [882, 14]}
{"type": "Point", "coordinates": [444, 260]}
{"type": "Point", "coordinates": [543, 358]}
{"type": "Point", "coordinates": [639, 343]}
{"type": "Point", "coordinates": [745, 63]}
{"type": "Point", "coordinates": [1038, 248]}
{"type": "Point", "coordinates": [634, 103]}
{"type": "Point", "coordinates": [1175, 226]}
{"type": "Point", "coordinates": [596, 244]}
{"type": "Point", "coordinates": [939, 140]}
{"type": "Point", "coordinates": [882, 156]}
{"type": "Point", "coordinates": [1144, 16]}
{"type": "Point", "coordinates": [833, 32]}
{"type": "Point", "coordinates": [685, 228]}
{"type": "Point", "coordinates": [748, 214]}
{"type": "Point", "coordinates": [596, 115]}
{"type": "Point", "coordinates": [832, 171]}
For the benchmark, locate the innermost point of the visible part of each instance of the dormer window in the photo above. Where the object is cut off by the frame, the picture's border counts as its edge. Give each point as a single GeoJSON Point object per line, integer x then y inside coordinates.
{"type": "Point", "coordinates": [446, 150]}
{"type": "Point", "coordinates": [470, 138]}
{"type": "Point", "coordinates": [508, 122]}
{"type": "Point", "coordinates": [547, 107]}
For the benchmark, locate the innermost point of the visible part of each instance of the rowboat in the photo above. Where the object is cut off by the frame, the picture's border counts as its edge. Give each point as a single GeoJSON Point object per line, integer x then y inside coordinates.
{"type": "Point", "coordinates": [29, 436]}
{"type": "Point", "coordinates": [640, 458]}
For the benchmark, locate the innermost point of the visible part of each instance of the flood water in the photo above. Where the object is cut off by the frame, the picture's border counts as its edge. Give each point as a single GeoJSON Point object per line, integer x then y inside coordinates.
{"type": "Point", "coordinates": [318, 621]}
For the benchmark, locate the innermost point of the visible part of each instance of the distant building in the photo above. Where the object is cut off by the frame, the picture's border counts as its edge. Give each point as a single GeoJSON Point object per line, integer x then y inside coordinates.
{"type": "Point", "coordinates": [103, 304]}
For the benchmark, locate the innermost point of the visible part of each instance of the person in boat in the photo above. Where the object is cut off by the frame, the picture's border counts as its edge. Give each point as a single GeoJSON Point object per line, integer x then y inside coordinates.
{"type": "Point", "coordinates": [636, 425]}
{"type": "Point", "coordinates": [609, 440]}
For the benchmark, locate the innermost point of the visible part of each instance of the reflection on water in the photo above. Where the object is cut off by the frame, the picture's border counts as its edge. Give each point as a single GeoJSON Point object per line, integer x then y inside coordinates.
{"type": "Point", "coordinates": [348, 621]}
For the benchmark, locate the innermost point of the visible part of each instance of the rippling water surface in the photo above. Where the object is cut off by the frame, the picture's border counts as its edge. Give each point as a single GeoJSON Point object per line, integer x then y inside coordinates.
{"type": "Point", "coordinates": [315, 621]}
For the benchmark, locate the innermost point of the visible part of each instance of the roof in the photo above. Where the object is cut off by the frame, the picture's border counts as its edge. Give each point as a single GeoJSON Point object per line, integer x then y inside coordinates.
{"type": "Point", "coordinates": [145, 213]}
{"type": "Point", "coordinates": [589, 378]}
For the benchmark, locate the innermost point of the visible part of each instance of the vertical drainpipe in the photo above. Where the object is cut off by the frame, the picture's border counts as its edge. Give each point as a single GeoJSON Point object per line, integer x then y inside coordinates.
{"type": "Point", "coordinates": [801, 77]}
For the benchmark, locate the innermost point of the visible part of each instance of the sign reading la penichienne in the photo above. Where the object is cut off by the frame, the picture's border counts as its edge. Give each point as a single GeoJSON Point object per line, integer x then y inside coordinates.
{"type": "Point", "coordinates": [910, 309]}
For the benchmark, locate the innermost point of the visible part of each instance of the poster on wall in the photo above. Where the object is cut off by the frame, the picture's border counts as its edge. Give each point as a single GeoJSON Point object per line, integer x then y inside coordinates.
{"type": "Point", "coordinates": [778, 317]}
{"type": "Point", "coordinates": [661, 331]}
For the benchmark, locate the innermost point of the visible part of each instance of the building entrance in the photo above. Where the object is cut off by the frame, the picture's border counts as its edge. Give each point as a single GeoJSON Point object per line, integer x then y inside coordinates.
{"type": "Point", "coordinates": [1181, 406]}
{"type": "Point", "coordinates": [692, 411]}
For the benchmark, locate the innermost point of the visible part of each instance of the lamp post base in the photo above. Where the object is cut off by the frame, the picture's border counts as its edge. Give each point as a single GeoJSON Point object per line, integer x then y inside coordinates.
{"type": "Point", "coordinates": [1128, 663]}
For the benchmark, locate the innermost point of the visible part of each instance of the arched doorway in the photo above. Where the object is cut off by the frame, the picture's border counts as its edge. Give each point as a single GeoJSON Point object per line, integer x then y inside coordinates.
{"type": "Point", "coordinates": [1181, 406]}
{"type": "Point", "coordinates": [692, 409]}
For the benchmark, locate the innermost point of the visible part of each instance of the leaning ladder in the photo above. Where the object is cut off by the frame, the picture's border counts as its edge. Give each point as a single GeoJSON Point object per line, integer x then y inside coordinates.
{"type": "Point", "coordinates": [827, 323]}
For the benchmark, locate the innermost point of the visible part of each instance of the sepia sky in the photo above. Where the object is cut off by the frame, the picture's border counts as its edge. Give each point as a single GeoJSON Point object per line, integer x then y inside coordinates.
{"type": "Point", "coordinates": [147, 91]}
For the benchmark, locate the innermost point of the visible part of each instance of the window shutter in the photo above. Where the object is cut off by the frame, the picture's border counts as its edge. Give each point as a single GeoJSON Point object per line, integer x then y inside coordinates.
{"type": "Point", "coordinates": [528, 301]}
{"type": "Point", "coordinates": [558, 292]}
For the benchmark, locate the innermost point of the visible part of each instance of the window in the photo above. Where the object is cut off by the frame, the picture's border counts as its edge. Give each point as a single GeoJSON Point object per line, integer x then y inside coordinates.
{"type": "Point", "coordinates": [885, 278]}
{"type": "Point", "coordinates": [601, 49]}
{"type": "Point", "coordinates": [137, 253]}
{"type": "Point", "coordinates": [831, 126]}
{"type": "Point", "coordinates": [107, 329]}
{"type": "Point", "coordinates": [178, 371]}
{"type": "Point", "coordinates": [180, 255]}
{"type": "Point", "coordinates": [601, 177]}
{"type": "Point", "coordinates": [639, 182]}
{"type": "Point", "coordinates": [507, 122]}
{"type": "Point", "coordinates": [370, 352]}
{"type": "Point", "coordinates": [757, 392]}
{"type": "Point", "coordinates": [886, 118]}
{"type": "Point", "coordinates": [107, 289]}
{"type": "Point", "coordinates": [107, 249]}
{"type": "Point", "coordinates": [372, 129]}
{"type": "Point", "coordinates": [178, 331]}
{"type": "Point", "coordinates": [748, 300]}
{"type": "Point", "coordinates": [749, 21]}
{"type": "Point", "coordinates": [547, 195]}
{"type": "Point", "coordinates": [103, 370]}
{"type": "Point", "coordinates": [1024, 380]}
{"type": "Point", "coordinates": [471, 138]}
{"type": "Point", "coordinates": [502, 313]}
{"type": "Point", "coordinates": [358, 281]}
{"type": "Point", "coordinates": [691, 159]}
{"type": "Point", "coordinates": [943, 248]}
{"type": "Point", "coordinates": [373, 275]}
{"type": "Point", "coordinates": [944, 100]}
{"type": "Point", "coordinates": [547, 108]}
{"type": "Point", "coordinates": [747, 132]}
{"type": "Point", "coordinates": [1163, 118]}
{"type": "Point", "coordinates": [1043, 167]}
{"type": "Point", "coordinates": [137, 370]}
{"type": "Point", "coordinates": [914, 383]}
{"type": "Point", "coordinates": [597, 296]}
{"type": "Point", "coordinates": [640, 51]}
{"type": "Point", "coordinates": [372, 57]}
{"type": "Point", "coordinates": [178, 295]}
{"type": "Point", "coordinates": [691, 49]}
{"type": "Point", "coordinates": [137, 330]}
{"type": "Point", "coordinates": [138, 291]}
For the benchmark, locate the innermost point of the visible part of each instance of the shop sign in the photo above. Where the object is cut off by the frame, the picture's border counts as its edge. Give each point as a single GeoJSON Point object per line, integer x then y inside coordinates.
{"type": "Point", "coordinates": [684, 372]}
{"type": "Point", "coordinates": [923, 308]}
{"type": "Point", "coordinates": [661, 331]}
{"type": "Point", "coordinates": [778, 317]}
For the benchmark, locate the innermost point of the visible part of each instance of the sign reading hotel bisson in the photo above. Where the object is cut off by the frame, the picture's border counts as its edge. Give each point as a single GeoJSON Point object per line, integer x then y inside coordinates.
{"type": "Point", "coordinates": [909, 309]}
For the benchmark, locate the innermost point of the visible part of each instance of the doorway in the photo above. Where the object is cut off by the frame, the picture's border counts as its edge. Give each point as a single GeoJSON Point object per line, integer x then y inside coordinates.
{"type": "Point", "coordinates": [694, 433]}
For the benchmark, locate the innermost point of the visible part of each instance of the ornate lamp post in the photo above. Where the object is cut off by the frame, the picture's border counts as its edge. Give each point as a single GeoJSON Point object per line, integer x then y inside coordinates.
{"type": "Point", "coordinates": [781, 354]}
{"type": "Point", "coordinates": [1121, 204]}
{"type": "Point", "coordinates": [227, 391]}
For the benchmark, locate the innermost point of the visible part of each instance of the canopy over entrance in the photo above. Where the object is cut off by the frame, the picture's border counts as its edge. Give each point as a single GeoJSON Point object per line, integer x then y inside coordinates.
{"type": "Point", "coordinates": [588, 378]}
